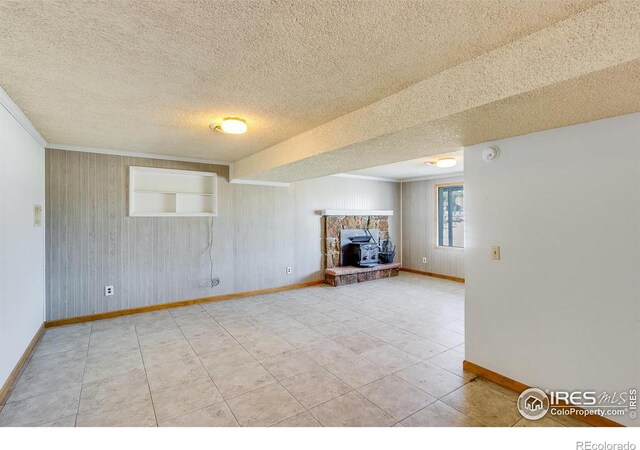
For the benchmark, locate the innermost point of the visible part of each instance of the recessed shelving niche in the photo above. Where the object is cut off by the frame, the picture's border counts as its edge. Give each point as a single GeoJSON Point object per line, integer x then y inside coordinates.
{"type": "Point", "coordinates": [157, 192]}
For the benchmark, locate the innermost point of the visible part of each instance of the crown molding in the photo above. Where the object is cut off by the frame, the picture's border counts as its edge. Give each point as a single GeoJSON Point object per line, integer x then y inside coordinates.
{"type": "Point", "coordinates": [354, 212]}
{"type": "Point", "coordinates": [109, 151]}
{"type": "Point", "coordinates": [434, 177]}
{"type": "Point", "coordinates": [20, 117]}
{"type": "Point", "coordinates": [259, 182]}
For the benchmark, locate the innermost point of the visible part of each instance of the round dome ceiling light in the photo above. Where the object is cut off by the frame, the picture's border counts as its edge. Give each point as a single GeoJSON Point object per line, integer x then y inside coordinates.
{"type": "Point", "coordinates": [231, 125]}
{"type": "Point", "coordinates": [443, 163]}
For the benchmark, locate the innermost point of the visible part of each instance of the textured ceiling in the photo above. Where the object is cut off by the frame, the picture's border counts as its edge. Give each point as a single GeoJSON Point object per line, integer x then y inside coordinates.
{"type": "Point", "coordinates": [566, 60]}
{"type": "Point", "coordinates": [414, 168]}
{"type": "Point", "coordinates": [151, 76]}
{"type": "Point", "coordinates": [610, 92]}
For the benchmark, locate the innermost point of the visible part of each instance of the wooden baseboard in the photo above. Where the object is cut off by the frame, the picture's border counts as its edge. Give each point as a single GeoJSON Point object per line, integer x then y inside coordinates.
{"type": "Point", "coordinates": [596, 421]}
{"type": "Point", "coordinates": [435, 275]}
{"type": "Point", "coordinates": [143, 309]}
{"type": "Point", "coordinates": [22, 362]}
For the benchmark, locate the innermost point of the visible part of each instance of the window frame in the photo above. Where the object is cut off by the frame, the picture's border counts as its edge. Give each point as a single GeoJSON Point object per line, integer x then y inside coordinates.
{"type": "Point", "coordinates": [437, 215]}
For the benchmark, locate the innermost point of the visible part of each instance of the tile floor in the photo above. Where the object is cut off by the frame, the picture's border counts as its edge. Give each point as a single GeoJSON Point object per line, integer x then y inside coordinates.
{"type": "Point", "coordinates": [381, 353]}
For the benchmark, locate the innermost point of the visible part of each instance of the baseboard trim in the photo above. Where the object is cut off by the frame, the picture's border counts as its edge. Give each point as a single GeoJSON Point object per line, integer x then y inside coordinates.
{"type": "Point", "coordinates": [435, 275]}
{"type": "Point", "coordinates": [143, 309]}
{"type": "Point", "coordinates": [22, 362]}
{"type": "Point", "coordinates": [596, 421]}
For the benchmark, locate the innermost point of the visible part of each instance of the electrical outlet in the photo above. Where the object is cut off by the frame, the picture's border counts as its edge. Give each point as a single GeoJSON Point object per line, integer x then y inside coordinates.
{"type": "Point", "coordinates": [289, 270]}
{"type": "Point", "coordinates": [424, 260]}
{"type": "Point", "coordinates": [108, 291]}
{"type": "Point", "coordinates": [495, 252]}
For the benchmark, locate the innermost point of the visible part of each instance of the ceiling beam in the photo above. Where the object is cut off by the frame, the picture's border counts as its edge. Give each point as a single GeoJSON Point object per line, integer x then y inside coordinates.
{"type": "Point", "coordinates": [426, 118]}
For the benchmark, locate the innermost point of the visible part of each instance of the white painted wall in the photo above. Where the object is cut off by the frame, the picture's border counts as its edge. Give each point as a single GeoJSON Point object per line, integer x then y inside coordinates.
{"type": "Point", "coordinates": [561, 309]}
{"type": "Point", "coordinates": [21, 244]}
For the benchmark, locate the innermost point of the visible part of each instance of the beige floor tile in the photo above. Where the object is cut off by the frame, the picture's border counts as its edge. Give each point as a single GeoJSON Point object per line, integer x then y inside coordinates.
{"type": "Point", "coordinates": [385, 332]}
{"type": "Point", "coordinates": [315, 387]}
{"type": "Point", "coordinates": [359, 342]}
{"type": "Point", "coordinates": [133, 414]}
{"type": "Point", "coordinates": [439, 414]}
{"type": "Point", "coordinates": [351, 410]}
{"type": "Point", "coordinates": [62, 345]}
{"type": "Point", "coordinates": [122, 322]}
{"type": "Point", "coordinates": [41, 409]}
{"type": "Point", "coordinates": [179, 371]}
{"type": "Point", "coordinates": [216, 415]}
{"type": "Point", "coordinates": [155, 322]}
{"type": "Point", "coordinates": [420, 347]}
{"type": "Point", "coordinates": [390, 358]}
{"type": "Point", "coordinates": [237, 380]}
{"type": "Point", "coordinates": [50, 372]}
{"type": "Point", "coordinates": [210, 340]}
{"type": "Point", "coordinates": [116, 392]}
{"type": "Point", "coordinates": [483, 405]}
{"type": "Point", "coordinates": [160, 338]}
{"type": "Point", "coordinates": [503, 391]}
{"type": "Point", "coordinates": [99, 366]}
{"type": "Point", "coordinates": [304, 420]}
{"type": "Point", "coordinates": [326, 351]}
{"type": "Point", "coordinates": [185, 396]}
{"type": "Point", "coordinates": [356, 371]}
{"type": "Point", "coordinates": [396, 397]}
{"type": "Point", "coordinates": [113, 341]}
{"type": "Point", "coordinates": [263, 348]}
{"type": "Point", "coordinates": [302, 337]}
{"type": "Point", "coordinates": [285, 365]}
{"type": "Point", "coordinates": [168, 353]}
{"type": "Point", "coordinates": [122, 400]}
{"type": "Point", "coordinates": [431, 379]}
{"type": "Point", "coordinates": [443, 337]}
{"type": "Point", "coordinates": [451, 360]}
{"type": "Point", "coordinates": [62, 335]}
{"type": "Point", "coordinates": [65, 422]}
{"type": "Point", "coordinates": [265, 406]}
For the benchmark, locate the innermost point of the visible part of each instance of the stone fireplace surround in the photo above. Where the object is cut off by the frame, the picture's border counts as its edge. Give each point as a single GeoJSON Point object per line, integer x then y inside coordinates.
{"type": "Point", "coordinates": [332, 225]}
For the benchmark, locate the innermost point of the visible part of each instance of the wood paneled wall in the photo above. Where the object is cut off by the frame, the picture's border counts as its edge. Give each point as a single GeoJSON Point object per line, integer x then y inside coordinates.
{"type": "Point", "coordinates": [260, 230]}
{"type": "Point", "coordinates": [418, 231]}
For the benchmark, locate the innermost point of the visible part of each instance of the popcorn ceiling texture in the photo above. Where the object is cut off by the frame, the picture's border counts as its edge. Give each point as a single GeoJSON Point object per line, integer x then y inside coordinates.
{"type": "Point", "coordinates": [607, 93]}
{"type": "Point", "coordinates": [151, 76]}
{"type": "Point", "coordinates": [429, 117]}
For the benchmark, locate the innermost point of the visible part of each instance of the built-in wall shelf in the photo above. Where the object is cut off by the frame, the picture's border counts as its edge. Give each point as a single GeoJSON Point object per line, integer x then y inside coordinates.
{"type": "Point", "coordinates": [155, 192]}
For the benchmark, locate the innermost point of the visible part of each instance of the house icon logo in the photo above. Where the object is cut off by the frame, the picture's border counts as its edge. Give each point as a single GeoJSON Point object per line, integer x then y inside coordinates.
{"type": "Point", "coordinates": [533, 404]}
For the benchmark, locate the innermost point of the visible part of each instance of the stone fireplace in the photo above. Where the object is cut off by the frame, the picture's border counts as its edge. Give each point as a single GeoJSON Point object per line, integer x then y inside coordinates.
{"type": "Point", "coordinates": [338, 227]}
{"type": "Point", "coordinates": [334, 226]}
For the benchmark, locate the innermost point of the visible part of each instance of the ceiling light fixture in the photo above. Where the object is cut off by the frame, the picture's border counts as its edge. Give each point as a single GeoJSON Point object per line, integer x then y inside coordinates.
{"type": "Point", "coordinates": [443, 163]}
{"type": "Point", "coordinates": [231, 125]}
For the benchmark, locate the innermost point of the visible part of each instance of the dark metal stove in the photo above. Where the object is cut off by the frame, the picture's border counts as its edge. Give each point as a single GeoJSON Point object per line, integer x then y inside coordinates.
{"type": "Point", "coordinates": [362, 251]}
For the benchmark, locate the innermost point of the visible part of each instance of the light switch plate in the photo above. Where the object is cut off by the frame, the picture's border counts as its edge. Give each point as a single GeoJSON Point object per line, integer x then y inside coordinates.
{"type": "Point", "coordinates": [495, 252]}
{"type": "Point", "coordinates": [37, 215]}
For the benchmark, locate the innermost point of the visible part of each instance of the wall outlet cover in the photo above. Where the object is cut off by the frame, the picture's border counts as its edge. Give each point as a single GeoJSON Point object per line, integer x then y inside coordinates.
{"type": "Point", "coordinates": [108, 291]}
{"type": "Point", "coordinates": [289, 270]}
